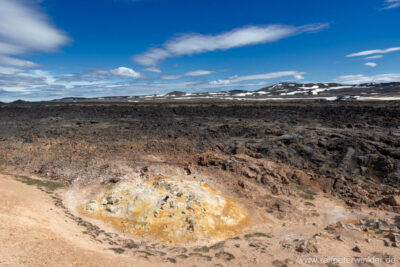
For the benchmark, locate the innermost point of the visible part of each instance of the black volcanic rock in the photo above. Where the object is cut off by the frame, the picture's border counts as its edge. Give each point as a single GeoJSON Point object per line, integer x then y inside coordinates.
{"type": "Point", "coordinates": [237, 91]}
{"type": "Point", "coordinates": [19, 101]}
{"type": "Point", "coordinates": [73, 98]}
{"type": "Point", "coordinates": [176, 93]}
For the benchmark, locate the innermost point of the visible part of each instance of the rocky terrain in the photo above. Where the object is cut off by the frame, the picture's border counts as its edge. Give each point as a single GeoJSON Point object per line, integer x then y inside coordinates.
{"type": "Point", "coordinates": [312, 176]}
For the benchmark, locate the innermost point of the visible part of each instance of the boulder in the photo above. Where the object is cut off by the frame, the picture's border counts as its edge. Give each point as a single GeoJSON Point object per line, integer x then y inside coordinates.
{"type": "Point", "coordinates": [306, 247]}
{"type": "Point", "coordinates": [391, 201]}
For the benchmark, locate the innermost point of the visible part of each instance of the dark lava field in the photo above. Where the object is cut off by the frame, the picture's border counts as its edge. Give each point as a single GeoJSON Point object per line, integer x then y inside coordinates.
{"type": "Point", "coordinates": [350, 149]}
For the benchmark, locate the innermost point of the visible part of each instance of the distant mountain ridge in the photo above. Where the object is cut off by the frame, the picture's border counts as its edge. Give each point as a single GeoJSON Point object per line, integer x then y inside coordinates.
{"type": "Point", "coordinates": [280, 91]}
{"type": "Point", "coordinates": [287, 90]}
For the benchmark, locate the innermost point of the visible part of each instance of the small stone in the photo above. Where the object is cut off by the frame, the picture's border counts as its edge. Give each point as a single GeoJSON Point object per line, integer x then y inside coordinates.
{"type": "Point", "coordinates": [394, 237]}
{"type": "Point", "coordinates": [188, 170]}
{"type": "Point", "coordinates": [339, 238]}
{"type": "Point", "coordinates": [357, 249]}
{"type": "Point", "coordinates": [237, 245]}
{"type": "Point", "coordinates": [144, 169]}
{"type": "Point", "coordinates": [115, 180]}
{"type": "Point", "coordinates": [92, 206]}
{"type": "Point", "coordinates": [367, 240]}
{"type": "Point", "coordinates": [307, 247]}
{"type": "Point", "coordinates": [112, 199]}
{"type": "Point", "coordinates": [339, 225]}
{"type": "Point", "coordinates": [330, 228]}
{"type": "Point", "coordinates": [112, 209]}
{"type": "Point", "coordinates": [286, 244]}
{"type": "Point", "coordinates": [395, 244]}
{"type": "Point", "coordinates": [253, 245]}
{"type": "Point", "coordinates": [385, 243]}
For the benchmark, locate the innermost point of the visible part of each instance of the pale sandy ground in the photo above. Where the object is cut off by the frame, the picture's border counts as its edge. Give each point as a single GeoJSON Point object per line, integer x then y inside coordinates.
{"type": "Point", "coordinates": [35, 232]}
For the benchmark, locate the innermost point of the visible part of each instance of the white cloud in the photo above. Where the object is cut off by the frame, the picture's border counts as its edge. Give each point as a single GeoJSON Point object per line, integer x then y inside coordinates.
{"type": "Point", "coordinates": [272, 75]}
{"type": "Point", "coordinates": [152, 57]}
{"type": "Point", "coordinates": [370, 64]}
{"type": "Point", "coordinates": [220, 82]}
{"type": "Point", "coordinates": [392, 4]}
{"type": "Point", "coordinates": [199, 73]}
{"type": "Point", "coordinates": [11, 61]}
{"type": "Point", "coordinates": [45, 75]}
{"type": "Point", "coordinates": [171, 77]}
{"type": "Point", "coordinates": [124, 72]}
{"type": "Point", "coordinates": [374, 57]}
{"type": "Point", "coordinates": [24, 29]}
{"type": "Point", "coordinates": [360, 78]}
{"type": "Point", "coordinates": [10, 49]}
{"type": "Point", "coordinates": [375, 51]}
{"type": "Point", "coordinates": [40, 81]}
{"type": "Point", "coordinates": [8, 70]}
{"type": "Point", "coordinates": [195, 73]}
{"type": "Point", "coordinates": [101, 74]}
{"type": "Point", "coordinates": [153, 69]}
{"type": "Point", "coordinates": [189, 44]}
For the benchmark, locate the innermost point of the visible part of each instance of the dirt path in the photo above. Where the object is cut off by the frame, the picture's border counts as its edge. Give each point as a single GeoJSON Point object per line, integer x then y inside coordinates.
{"type": "Point", "coordinates": [33, 232]}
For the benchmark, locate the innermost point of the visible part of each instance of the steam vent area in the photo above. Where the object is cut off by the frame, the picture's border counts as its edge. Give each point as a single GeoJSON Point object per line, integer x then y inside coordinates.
{"type": "Point", "coordinates": [168, 209]}
{"type": "Point", "coordinates": [200, 183]}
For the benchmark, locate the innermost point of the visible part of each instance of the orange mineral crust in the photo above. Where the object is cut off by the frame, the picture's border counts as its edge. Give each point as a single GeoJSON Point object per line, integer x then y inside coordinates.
{"type": "Point", "coordinates": [169, 209]}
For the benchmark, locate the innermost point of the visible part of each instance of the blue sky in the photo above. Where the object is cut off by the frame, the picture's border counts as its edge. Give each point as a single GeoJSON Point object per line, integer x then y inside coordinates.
{"type": "Point", "coordinates": [52, 48]}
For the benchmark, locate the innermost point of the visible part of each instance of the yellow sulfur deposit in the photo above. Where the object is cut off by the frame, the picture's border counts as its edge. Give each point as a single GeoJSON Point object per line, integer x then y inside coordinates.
{"type": "Point", "coordinates": [169, 209]}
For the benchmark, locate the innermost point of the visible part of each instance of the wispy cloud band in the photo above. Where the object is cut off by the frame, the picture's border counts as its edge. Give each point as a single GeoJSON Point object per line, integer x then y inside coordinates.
{"type": "Point", "coordinates": [23, 29]}
{"type": "Point", "coordinates": [265, 76]}
{"type": "Point", "coordinates": [392, 4]}
{"type": "Point", "coordinates": [360, 78]}
{"type": "Point", "coordinates": [189, 44]}
{"type": "Point", "coordinates": [370, 64]}
{"type": "Point", "coordinates": [374, 52]}
{"type": "Point", "coordinates": [195, 73]}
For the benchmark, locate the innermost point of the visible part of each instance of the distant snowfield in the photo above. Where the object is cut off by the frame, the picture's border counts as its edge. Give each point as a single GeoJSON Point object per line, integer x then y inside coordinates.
{"type": "Point", "coordinates": [315, 89]}
{"type": "Point", "coordinates": [389, 98]}
{"type": "Point", "coordinates": [258, 99]}
{"type": "Point", "coordinates": [329, 98]}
